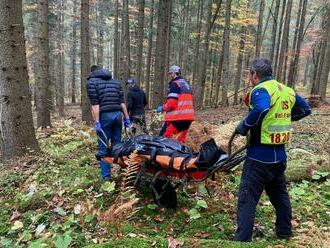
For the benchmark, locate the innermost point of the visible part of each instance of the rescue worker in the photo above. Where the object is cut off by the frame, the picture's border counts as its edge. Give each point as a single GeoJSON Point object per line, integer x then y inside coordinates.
{"type": "Point", "coordinates": [107, 99]}
{"type": "Point", "coordinates": [136, 102]}
{"type": "Point", "coordinates": [179, 109]}
{"type": "Point", "coordinates": [273, 106]}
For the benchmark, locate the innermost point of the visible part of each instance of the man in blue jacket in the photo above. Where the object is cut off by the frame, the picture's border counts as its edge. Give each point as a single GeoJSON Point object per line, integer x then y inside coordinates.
{"type": "Point", "coordinates": [273, 106]}
{"type": "Point", "coordinates": [107, 99]}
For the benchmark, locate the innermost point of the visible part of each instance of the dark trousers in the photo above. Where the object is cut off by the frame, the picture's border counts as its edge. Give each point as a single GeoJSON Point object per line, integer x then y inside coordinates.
{"type": "Point", "coordinates": [256, 177]}
{"type": "Point", "coordinates": [111, 123]}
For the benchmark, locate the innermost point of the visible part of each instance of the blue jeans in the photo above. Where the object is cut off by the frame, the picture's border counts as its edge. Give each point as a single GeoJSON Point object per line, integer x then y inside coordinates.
{"type": "Point", "coordinates": [256, 177]}
{"type": "Point", "coordinates": [111, 123]}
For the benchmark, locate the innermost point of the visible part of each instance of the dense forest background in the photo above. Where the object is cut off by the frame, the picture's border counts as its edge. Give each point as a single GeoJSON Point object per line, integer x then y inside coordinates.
{"type": "Point", "coordinates": [51, 193]}
{"type": "Point", "coordinates": [212, 40]}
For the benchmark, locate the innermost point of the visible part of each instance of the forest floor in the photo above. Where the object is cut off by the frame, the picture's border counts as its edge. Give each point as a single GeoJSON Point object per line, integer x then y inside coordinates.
{"type": "Point", "coordinates": [57, 198]}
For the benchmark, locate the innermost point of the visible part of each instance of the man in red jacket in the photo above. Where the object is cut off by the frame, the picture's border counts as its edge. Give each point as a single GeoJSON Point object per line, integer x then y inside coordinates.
{"type": "Point", "coordinates": [179, 108]}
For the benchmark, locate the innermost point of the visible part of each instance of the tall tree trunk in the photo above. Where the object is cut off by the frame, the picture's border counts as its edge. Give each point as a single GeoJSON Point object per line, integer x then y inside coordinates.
{"type": "Point", "coordinates": [199, 29]}
{"type": "Point", "coordinates": [42, 76]}
{"type": "Point", "coordinates": [239, 64]}
{"type": "Point", "coordinates": [140, 33]}
{"type": "Point", "coordinates": [325, 68]}
{"type": "Point", "coordinates": [101, 32]}
{"type": "Point", "coordinates": [183, 25]}
{"type": "Point", "coordinates": [274, 30]}
{"type": "Point", "coordinates": [205, 53]}
{"type": "Point", "coordinates": [186, 40]}
{"type": "Point", "coordinates": [74, 52]}
{"type": "Point", "coordinates": [168, 46]}
{"type": "Point", "coordinates": [150, 35]}
{"type": "Point", "coordinates": [226, 79]}
{"type": "Point", "coordinates": [85, 61]}
{"type": "Point", "coordinates": [279, 37]}
{"type": "Point", "coordinates": [125, 66]}
{"type": "Point", "coordinates": [211, 98]}
{"type": "Point", "coordinates": [17, 135]}
{"type": "Point", "coordinates": [307, 70]}
{"type": "Point", "coordinates": [259, 30]}
{"type": "Point", "coordinates": [115, 41]}
{"type": "Point", "coordinates": [298, 39]}
{"type": "Point", "coordinates": [284, 44]}
{"type": "Point", "coordinates": [219, 78]}
{"type": "Point", "coordinates": [161, 43]}
{"type": "Point", "coordinates": [61, 83]}
{"type": "Point", "coordinates": [315, 59]}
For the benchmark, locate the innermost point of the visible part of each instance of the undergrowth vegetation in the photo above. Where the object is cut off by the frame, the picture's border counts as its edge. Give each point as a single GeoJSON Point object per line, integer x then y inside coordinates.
{"type": "Point", "coordinates": [57, 199]}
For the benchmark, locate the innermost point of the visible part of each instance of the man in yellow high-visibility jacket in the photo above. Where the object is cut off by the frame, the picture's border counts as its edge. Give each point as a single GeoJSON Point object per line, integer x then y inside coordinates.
{"type": "Point", "coordinates": [273, 106]}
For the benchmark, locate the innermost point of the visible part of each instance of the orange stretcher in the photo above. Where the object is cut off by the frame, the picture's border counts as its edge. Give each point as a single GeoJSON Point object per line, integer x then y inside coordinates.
{"type": "Point", "coordinates": [159, 160]}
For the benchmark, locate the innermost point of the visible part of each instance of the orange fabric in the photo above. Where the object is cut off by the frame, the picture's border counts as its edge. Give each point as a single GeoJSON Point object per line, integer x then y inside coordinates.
{"type": "Point", "coordinates": [173, 133]}
{"type": "Point", "coordinates": [185, 107]}
{"type": "Point", "coordinates": [170, 104]}
{"type": "Point", "coordinates": [162, 160]}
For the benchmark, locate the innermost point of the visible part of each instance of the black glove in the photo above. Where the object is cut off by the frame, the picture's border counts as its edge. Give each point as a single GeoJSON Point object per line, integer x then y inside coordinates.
{"type": "Point", "coordinates": [241, 129]}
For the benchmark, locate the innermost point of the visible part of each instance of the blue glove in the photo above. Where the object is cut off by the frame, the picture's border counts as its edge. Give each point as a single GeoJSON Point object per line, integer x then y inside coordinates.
{"type": "Point", "coordinates": [241, 129]}
{"type": "Point", "coordinates": [98, 127]}
{"type": "Point", "coordinates": [127, 122]}
{"type": "Point", "coordinates": [159, 109]}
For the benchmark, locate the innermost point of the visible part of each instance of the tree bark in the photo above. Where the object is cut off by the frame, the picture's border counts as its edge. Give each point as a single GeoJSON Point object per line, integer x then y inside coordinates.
{"type": "Point", "coordinates": [125, 66]}
{"type": "Point", "coordinates": [61, 82]}
{"type": "Point", "coordinates": [284, 44]}
{"type": "Point", "coordinates": [85, 61]}
{"type": "Point", "coordinates": [274, 30]}
{"type": "Point", "coordinates": [226, 79]}
{"type": "Point", "coordinates": [199, 29]}
{"type": "Point", "coordinates": [201, 62]}
{"type": "Point", "coordinates": [150, 35]}
{"type": "Point", "coordinates": [115, 41]}
{"type": "Point", "coordinates": [239, 64]}
{"type": "Point", "coordinates": [42, 62]}
{"type": "Point", "coordinates": [219, 78]}
{"type": "Point", "coordinates": [101, 32]}
{"type": "Point", "coordinates": [279, 37]}
{"type": "Point", "coordinates": [186, 40]}
{"type": "Point", "coordinates": [205, 53]}
{"type": "Point", "coordinates": [140, 33]}
{"type": "Point", "coordinates": [259, 30]}
{"type": "Point", "coordinates": [168, 46]}
{"type": "Point", "coordinates": [326, 62]}
{"type": "Point", "coordinates": [161, 43]}
{"type": "Point", "coordinates": [17, 135]}
{"type": "Point", "coordinates": [74, 52]}
{"type": "Point", "coordinates": [300, 25]}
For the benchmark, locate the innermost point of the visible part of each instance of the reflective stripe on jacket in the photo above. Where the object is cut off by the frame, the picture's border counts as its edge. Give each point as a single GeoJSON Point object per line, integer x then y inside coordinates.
{"type": "Point", "coordinates": [185, 107]}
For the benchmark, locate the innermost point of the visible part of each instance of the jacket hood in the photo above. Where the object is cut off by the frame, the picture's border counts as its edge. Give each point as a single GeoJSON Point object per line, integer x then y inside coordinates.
{"type": "Point", "coordinates": [103, 73]}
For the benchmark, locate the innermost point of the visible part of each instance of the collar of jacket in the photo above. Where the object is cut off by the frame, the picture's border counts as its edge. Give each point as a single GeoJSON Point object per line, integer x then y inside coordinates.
{"type": "Point", "coordinates": [264, 79]}
{"type": "Point", "coordinates": [103, 73]}
{"type": "Point", "coordinates": [177, 78]}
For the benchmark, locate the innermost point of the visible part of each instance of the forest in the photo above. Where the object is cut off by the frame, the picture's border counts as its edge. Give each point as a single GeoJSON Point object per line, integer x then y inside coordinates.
{"type": "Point", "coordinates": [51, 191]}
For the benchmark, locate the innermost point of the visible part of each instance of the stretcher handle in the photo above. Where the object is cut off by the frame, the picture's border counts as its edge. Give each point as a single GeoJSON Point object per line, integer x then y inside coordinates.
{"type": "Point", "coordinates": [230, 143]}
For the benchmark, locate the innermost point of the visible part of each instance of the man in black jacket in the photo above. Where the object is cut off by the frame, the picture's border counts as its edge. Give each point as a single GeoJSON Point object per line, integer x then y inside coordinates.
{"type": "Point", "coordinates": [107, 99]}
{"type": "Point", "coordinates": [136, 102]}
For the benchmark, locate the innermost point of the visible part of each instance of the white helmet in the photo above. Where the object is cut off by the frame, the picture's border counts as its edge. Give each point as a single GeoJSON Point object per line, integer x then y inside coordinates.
{"type": "Point", "coordinates": [175, 69]}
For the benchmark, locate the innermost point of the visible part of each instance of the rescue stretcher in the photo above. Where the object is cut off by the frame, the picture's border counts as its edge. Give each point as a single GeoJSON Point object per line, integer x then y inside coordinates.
{"type": "Point", "coordinates": [165, 164]}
